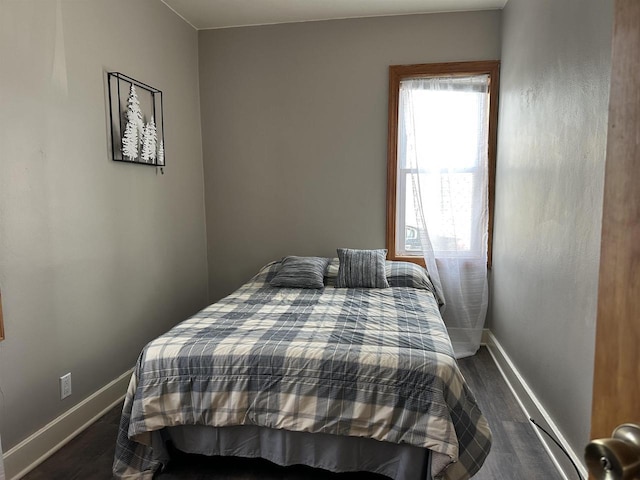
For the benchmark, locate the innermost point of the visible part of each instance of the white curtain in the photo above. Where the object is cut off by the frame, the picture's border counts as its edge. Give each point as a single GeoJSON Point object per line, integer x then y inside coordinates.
{"type": "Point", "coordinates": [443, 194]}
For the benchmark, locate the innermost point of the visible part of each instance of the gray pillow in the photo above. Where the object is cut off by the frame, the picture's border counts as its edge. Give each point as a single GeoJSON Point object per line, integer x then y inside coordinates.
{"type": "Point", "coordinates": [301, 272]}
{"type": "Point", "coordinates": [361, 268]}
{"type": "Point", "coordinates": [407, 274]}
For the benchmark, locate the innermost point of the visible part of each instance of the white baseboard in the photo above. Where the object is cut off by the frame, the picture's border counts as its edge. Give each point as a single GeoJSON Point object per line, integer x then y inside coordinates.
{"type": "Point", "coordinates": [35, 449]}
{"type": "Point", "coordinates": [533, 408]}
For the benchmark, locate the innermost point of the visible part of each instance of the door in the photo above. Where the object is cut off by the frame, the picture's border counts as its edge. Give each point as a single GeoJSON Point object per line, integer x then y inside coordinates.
{"type": "Point", "coordinates": [616, 389]}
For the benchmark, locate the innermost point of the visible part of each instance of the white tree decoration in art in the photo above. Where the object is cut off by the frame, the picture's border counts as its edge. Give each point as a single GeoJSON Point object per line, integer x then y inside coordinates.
{"type": "Point", "coordinates": [150, 142]}
{"type": "Point", "coordinates": [134, 131]}
{"type": "Point", "coordinates": [130, 142]}
{"type": "Point", "coordinates": [161, 153]}
{"type": "Point", "coordinates": [144, 134]}
{"type": "Point", "coordinates": [136, 112]}
{"type": "Point", "coordinates": [145, 144]}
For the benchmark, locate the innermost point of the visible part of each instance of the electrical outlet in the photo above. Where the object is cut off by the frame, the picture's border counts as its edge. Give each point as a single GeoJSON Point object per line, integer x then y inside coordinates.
{"type": "Point", "coordinates": [65, 386]}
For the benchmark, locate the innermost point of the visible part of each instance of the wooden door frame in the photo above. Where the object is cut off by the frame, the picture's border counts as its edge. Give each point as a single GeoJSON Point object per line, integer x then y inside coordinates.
{"type": "Point", "coordinates": [616, 385]}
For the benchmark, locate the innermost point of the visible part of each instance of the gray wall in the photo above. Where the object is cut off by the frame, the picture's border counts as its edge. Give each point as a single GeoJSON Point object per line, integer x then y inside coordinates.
{"type": "Point", "coordinates": [550, 172]}
{"type": "Point", "coordinates": [294, 121]}
{"type": "Point", "coordinates": [96, 257]}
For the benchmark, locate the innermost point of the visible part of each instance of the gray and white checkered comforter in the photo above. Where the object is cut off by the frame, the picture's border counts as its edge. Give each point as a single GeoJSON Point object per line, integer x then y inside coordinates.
{"type": "Point", "coordinates": [372, 363]}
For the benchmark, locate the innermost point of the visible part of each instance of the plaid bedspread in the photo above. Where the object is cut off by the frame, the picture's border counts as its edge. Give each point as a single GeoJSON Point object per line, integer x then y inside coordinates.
{"type": "Point", "coordinates": [361, 362]}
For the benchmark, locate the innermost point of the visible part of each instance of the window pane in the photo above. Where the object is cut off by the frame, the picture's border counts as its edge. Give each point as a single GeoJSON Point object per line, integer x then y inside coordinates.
{"type": "Point", "coordinates": [448, 207]}
{"type": "Point", "coordinates": [448, 210]}
{"type": "Point", "coordinates": [447, 123]}
{"type": "Point", "coordinates": [443, 136]}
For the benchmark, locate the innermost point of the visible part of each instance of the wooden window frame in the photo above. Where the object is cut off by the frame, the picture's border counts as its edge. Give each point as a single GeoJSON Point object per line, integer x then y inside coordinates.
{"type": "Point", "coordinates": [397, 73]}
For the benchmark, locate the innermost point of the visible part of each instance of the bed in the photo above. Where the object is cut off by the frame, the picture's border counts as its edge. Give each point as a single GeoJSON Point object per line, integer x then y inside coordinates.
{"type": "Point", "coordinates": [339, 378]}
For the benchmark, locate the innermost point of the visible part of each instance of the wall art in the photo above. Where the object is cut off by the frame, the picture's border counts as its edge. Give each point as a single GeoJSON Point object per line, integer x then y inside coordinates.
{"type": "Point", "coordinates": [137, 121]}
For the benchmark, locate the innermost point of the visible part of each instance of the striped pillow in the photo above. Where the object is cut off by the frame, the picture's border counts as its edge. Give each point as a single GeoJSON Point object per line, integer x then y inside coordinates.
{"type": "Point", "coordinates": [301, 272]}
{"type": "Point", "coordinates": [407, 274]}
{"type": "Point", "coordinates": [362, 268]}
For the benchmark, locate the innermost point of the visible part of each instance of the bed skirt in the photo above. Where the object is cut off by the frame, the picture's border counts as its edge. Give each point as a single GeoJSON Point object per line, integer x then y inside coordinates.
{"type": "Point", "coordinates": [282, 447]}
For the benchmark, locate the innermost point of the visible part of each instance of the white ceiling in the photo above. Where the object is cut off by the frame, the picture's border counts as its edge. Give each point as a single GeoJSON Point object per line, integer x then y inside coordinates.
{"type": "Point", "coordinates": [206, 14]}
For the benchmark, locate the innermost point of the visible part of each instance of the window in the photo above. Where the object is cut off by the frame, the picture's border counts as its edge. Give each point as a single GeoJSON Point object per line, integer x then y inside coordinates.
{"type": "Point", "coordinates": [452, 112]}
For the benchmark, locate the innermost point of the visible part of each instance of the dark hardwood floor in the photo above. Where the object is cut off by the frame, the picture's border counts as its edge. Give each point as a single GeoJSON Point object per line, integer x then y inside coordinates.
{"type": "Point", "coordinates": [516, 454]}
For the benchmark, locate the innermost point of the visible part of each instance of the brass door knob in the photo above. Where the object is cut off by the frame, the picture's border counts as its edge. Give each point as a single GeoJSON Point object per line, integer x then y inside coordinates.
{"type": "Point", "coordinates": [616, 458]}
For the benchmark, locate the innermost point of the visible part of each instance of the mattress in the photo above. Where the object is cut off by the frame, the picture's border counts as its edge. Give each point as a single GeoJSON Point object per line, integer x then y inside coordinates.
{"type": "Point", "coordinates": [370, 363]}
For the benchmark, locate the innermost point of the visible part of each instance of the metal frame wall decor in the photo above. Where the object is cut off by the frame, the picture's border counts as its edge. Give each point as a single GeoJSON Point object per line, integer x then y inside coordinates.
{"type": "Point", "coordinates": [137, 121]}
